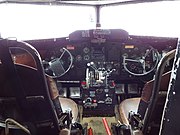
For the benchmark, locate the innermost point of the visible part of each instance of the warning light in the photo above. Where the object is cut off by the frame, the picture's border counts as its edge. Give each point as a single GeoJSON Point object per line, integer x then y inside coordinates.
{"type": "Point", "coordinates": [94, 101]}
{"type": "Point", "coordinates": [83, 83]}
{"type": "Point", "coordinates": [70, 47]}
{"type": "Point", "coordinates": [129, 46]}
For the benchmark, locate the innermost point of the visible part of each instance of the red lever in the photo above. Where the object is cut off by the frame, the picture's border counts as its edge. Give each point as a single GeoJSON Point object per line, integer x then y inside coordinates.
{"type": "Point", "coordinates": [90, 131]}
{"type": "Point", "coordinates": [106, 126]}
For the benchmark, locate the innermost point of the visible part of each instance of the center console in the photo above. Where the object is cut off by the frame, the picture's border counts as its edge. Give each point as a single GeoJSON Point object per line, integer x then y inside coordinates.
{"type": "Point", "coordinates": [98, 91]}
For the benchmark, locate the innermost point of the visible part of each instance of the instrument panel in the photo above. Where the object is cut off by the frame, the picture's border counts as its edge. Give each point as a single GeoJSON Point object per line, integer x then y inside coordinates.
{"type": "Point", "coordinates": [98, 75]}
{"type": "Point", "coordinates": [98, 69]}
{"type": "Point", "coordinates": [113, 57]}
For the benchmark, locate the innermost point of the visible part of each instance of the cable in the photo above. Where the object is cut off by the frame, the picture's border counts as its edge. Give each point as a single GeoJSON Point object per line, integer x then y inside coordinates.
{"type": "Point", "coordinates": [9, 120]}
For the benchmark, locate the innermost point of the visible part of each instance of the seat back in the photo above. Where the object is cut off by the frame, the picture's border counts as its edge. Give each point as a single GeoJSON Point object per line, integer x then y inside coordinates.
{"type": "Point", "coordinates": [147, 92]}
{"type": "Point", "coordinates": [24, 94]}
{"type": "Point", "coordinates": [170, 120]}
{"type": "Point", "coordinates": [156, 97]}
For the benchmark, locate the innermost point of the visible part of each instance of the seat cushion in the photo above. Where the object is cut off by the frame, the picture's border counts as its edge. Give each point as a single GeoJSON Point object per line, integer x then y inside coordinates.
{"type": "Point", "coordinates": [126, 106]}
{"type": "Point", "coordinates": [66, 104]}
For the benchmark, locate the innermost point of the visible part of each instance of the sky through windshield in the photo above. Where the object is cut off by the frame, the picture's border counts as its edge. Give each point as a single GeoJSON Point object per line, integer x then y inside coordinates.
{"type": "Point", "coordinates": [151, 19]}
{"type": "Point", "coordinates": [43, 21]}
{"type": "Point", "coordinates": [25, 21]}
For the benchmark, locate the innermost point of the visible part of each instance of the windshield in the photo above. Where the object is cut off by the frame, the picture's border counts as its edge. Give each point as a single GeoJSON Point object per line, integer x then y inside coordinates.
{"type": "Point", "coordinates": [25, 21]}
{"type": "Point", "coordinates": [152, 18]}
{"type": "Point", "coordinates": [28, 21]}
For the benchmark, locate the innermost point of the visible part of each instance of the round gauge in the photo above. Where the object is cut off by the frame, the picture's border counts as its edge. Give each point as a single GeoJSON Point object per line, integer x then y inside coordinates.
{"type": "Point", "coordinates": [78, 57]}
{"type": "Point", "coordinates": [86, 50]}
{"type": "Point", "coordinates": [86, 57]}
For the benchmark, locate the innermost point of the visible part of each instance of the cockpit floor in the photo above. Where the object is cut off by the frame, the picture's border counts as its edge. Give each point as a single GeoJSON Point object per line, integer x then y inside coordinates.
{"type": "Point", "coordinates": [97, 125]}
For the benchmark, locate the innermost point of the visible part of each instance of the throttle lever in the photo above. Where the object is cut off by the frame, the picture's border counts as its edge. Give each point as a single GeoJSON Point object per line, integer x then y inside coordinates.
{"type": "Point", "coordinates": [91, 64]}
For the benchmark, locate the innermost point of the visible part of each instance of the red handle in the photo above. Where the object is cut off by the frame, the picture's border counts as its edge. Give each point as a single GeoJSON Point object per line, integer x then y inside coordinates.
{"type": "Point", "coordinates": [90, 131]}
{"type": "Point", "coordinates": [106, 126]}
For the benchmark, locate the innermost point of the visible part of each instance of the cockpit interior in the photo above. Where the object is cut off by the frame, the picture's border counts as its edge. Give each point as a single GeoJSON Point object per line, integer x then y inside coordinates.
{"type": "Point", "coordinates": [94, 81]}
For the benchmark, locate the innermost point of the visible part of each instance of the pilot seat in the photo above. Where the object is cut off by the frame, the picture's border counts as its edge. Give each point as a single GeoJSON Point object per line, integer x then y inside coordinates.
{"type": "Point", "coordinates": [29, 99]}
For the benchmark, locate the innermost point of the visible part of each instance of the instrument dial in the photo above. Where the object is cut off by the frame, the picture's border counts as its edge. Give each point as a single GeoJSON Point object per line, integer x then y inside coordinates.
{"type": "Point", "coordinates": [78, 58]}
{"type": "Point", "coordinates": [86, 57]}
{"type": "Point", "coordinates": [86, 50]}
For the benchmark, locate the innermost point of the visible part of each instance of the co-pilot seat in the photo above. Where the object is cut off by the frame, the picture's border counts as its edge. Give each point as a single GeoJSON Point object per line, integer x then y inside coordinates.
{"type": "Point", "coordinates": [139, 105]}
